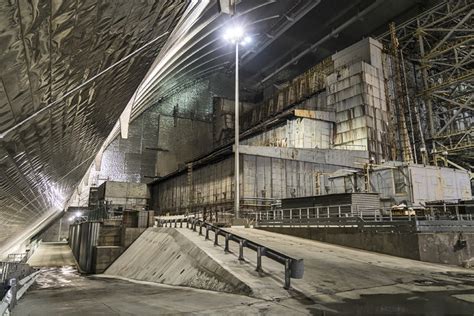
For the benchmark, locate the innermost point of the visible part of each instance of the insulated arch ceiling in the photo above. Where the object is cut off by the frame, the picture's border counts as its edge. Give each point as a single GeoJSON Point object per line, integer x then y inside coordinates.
{"type": "Point", "coordinates": [48, 48]}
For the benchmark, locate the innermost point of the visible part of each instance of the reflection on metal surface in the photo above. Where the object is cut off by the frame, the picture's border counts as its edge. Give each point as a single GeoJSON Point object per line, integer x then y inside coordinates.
{"type": "Point", "coordinates": [46, 50]}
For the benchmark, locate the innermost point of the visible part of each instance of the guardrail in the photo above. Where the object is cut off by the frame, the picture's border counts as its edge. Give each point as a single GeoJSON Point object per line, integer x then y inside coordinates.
{"type": "Point", "coordinates": [294, 267]}
{"type": "Point", "coordinates": [349, 216]}
{"type": "Point", "coordinates": [15, 292]}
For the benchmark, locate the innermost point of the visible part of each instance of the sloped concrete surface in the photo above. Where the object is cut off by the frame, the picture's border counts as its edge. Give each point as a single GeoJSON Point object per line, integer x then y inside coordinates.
{"type": "Point", "coordinates": [52, 254]}
{"type": "Point", "coordinates": [165, 255]}
{"type": "Point", "coordinates": [334, 273]}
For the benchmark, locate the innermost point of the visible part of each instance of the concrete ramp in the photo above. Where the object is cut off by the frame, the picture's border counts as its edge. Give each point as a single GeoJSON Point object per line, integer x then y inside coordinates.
{"type": "Point", "coordinates": [165, 255]}
{"type": "Point", "coordinates": [52, 254]}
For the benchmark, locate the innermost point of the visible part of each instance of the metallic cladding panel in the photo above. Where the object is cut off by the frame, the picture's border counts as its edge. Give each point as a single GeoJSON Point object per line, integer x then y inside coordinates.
{"type": "Point", "coordinates": [182, 135]}
{"type": "Point", "coordinates": [46, 49]}
{"type": "Point", "coordinates": [89, 232]}
{"type": "Point", "coordinates": [261, 177]}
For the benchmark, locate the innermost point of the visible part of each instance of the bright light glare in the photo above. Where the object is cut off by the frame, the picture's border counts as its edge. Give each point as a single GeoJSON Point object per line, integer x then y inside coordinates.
{"type": "Point", "coordinates": [72, 218]}
{"type": "Point", "coordinates": [236, 34]}
{"type": "Point", "coordinates": [78, 214]}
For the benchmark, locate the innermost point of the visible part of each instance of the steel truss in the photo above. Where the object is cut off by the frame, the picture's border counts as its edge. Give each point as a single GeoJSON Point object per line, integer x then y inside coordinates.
{"type": "Point", "coordinates": [437, 53]}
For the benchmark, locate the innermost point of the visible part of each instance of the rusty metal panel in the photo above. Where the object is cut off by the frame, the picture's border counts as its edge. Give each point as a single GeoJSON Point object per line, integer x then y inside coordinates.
{"type": "Point", "coordinates": [434, 184]}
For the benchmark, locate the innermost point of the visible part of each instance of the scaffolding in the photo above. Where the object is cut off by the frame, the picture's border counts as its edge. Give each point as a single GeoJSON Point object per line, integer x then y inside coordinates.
{"type": "Point", "coordinates": [437, 50]}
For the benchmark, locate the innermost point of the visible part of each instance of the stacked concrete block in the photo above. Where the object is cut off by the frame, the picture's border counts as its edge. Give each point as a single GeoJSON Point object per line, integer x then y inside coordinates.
{"type": "Point", "coordinates": [109, 236]}
{"type": "Point", "coordinates": [104, 256]}
{"type": "Point", "coordinates": [130, 234]}
{"type": "Point", "coordinates": [296, 133]}
{"type": "Point", "coordinates": [356, 92]}
{"type": "Point", "coordinates": [126, 195]}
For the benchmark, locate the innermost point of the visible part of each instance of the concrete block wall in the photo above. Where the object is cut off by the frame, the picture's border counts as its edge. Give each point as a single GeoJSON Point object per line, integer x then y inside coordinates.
{"type": "Point", "coordinates": [356, 92]}
{"type": "Point", "coordinates": [130, 234]}
{"type": "Point", "coordinates": [104, 256]}
{"type": "Point", "coordinates": [296, 133]}
{"type": "Point", "coordinates": [109, 236]}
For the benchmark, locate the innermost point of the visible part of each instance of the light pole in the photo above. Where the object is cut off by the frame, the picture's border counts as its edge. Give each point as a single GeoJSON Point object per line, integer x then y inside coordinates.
{"type": "Point", "coordinates": [236, 36]}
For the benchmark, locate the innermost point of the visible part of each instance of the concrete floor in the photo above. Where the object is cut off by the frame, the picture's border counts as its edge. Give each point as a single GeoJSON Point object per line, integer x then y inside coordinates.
{"type": "Point", "coordinates": [62, 291]}
{"type": "Point", "coordinates": [337, 280]}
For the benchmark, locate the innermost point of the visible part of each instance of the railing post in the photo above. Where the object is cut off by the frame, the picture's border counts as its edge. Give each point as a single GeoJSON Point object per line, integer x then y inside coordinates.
{"type": "Point", "coordinates": [226, 245]}
{"type": "Point", "coordinates": [327, 210]}
{"type": "Point", "coordinates": [307, 213]}
{"type": "Point", "coordinates": [317, 212]}
{"type": "Point", "coordinates": [200, 228]}
{"type": "Point", "coordinates": [187, 223]}
{"type": "Point", "coordinates": [291, 214]}
{"type": "Point", "coordinates": [287, 274]}
{"type": "Point", "coordinates": [194, 225]}
{"type": "Point", "coordinates": [13, 288]}
{"type": "Point", "coordinates": [207, 232]}
{"type": "Point", "coordinates": [339, 210]}
{"type": "Point", "coordinates": [181, 223]}
{"type": "Point", "coordinates": [274, 215]}
{"type": "Point", "coordinates": [391, 215]}
{"type": "Point", "coordinates": [216, 238]}
{"type": "Point", "coordinates": [241, 250]}
{"type": "Point", "coordinates": [260, 251]}
{"type": "Point", "coordinates": [300, 213]}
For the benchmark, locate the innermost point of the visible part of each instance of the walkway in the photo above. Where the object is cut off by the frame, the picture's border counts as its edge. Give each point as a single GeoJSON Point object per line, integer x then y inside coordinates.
{"type": "Point", "coordinates": [52, 254]}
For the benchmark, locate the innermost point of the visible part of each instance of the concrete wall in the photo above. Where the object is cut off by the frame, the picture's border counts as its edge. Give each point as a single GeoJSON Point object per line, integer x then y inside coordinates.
{"type": "Point", "coordinates": [428, 247]}
{"type": "Point", "coordinates": [104, 256]}
{"type": "Point", "coordinates": [356, 92]}
{"type": "Point", "coordinates": [401, 245]}
{"type": "Point", "coordinates": [183, 141]}
{"type": "Point", "coordinates": [444, 248]}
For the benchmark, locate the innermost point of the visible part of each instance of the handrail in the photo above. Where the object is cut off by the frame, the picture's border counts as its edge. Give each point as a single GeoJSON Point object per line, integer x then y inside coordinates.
{"type": "Point", "coordinates": [350, 216]}
{"type": "Point", "coordinates": [351, 211]}
{"type": "Point", "coordinates": [17, 287]}
{"type": "Point", "coordinates": [294, 267]}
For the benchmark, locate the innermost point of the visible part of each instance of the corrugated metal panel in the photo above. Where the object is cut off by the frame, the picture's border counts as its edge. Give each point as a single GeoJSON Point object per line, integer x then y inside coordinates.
{"type": "Point", "coordinates": [89, 232]}
{"type": "Point", "coordinates": [261, 177]}
{"type": "Point", "coordinates": [360, 201]}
